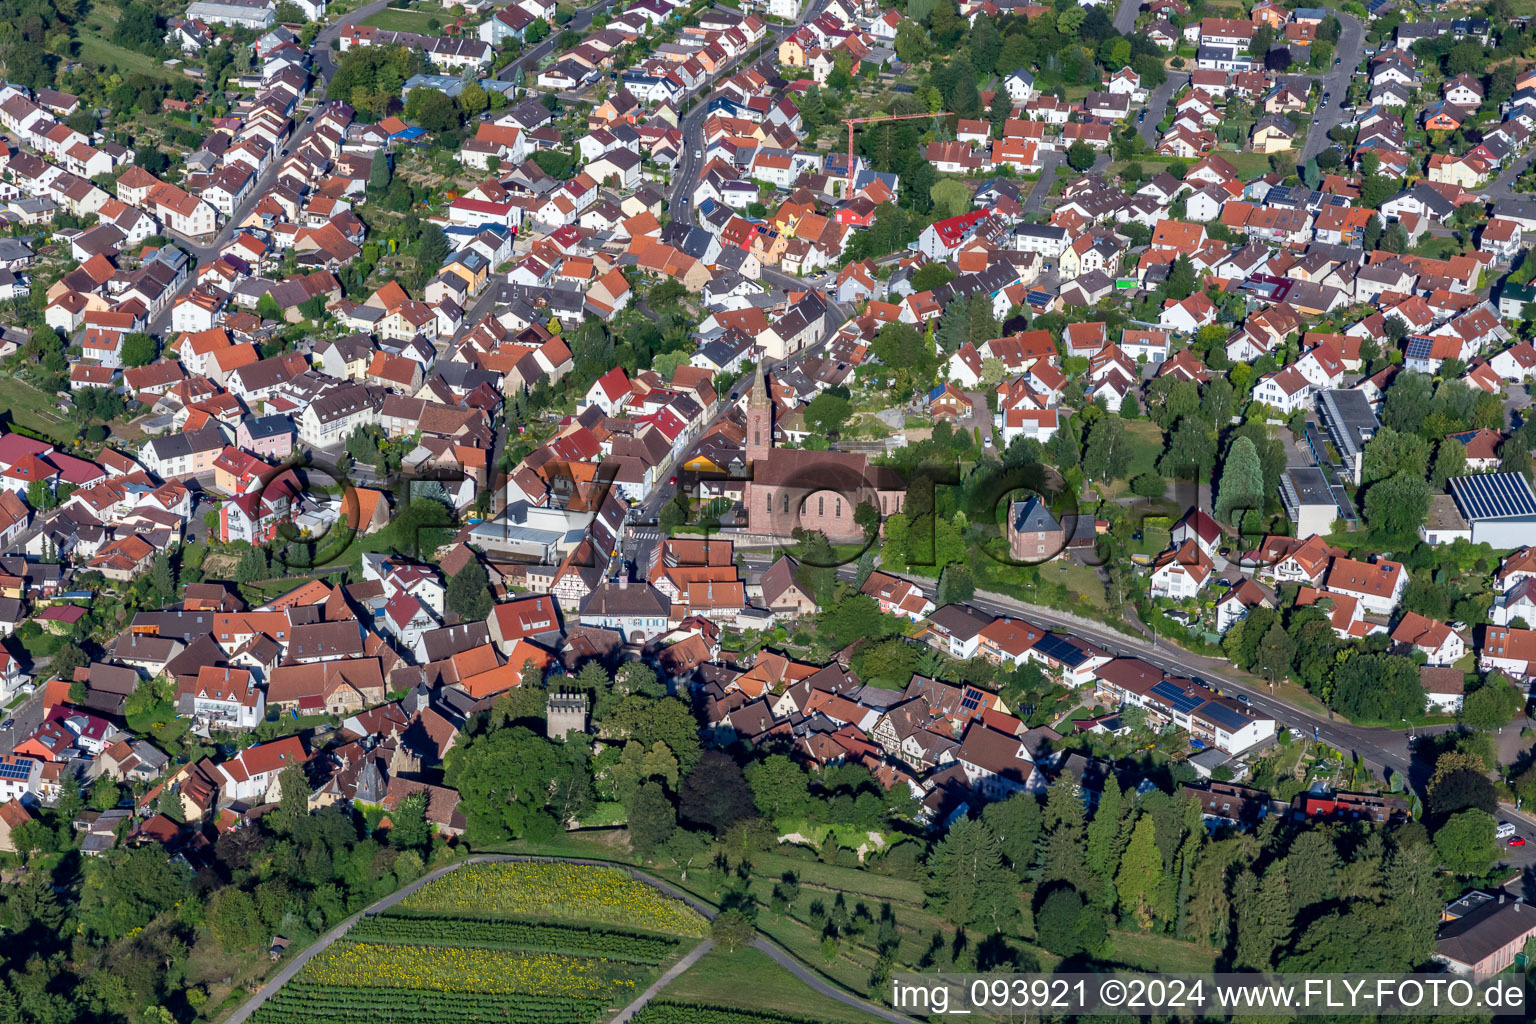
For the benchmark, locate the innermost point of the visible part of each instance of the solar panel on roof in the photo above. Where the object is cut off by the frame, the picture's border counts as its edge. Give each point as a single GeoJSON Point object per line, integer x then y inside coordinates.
{"type": "Point", "coordinates": [1494, 496]}
{"type": "Point", "coordinates": [1227, 718]}
{"type": "Point", "coordinates": [16, 770]}
{"type": "Point", "coordinates": [1060, 649]}
{"type": "Point", "coordinates": [1181, 702]}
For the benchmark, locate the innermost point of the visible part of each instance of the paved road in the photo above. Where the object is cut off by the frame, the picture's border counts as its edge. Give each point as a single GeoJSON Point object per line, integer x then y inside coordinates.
{"type": "Point", "coordinates": [662, 982]}
{"type": "Point", "coordinates": [529, 59]}
{"type": "Point", "coordinates": [686, 174]}
{"type": "Point", "coordinates": [1125, 16]}
{"type": "Point", "coordinates": [1050, 165]}
{"type": "Point", "coordinates": [324, 68]}
{"type": "Point", "coordinates": [1500, 187]}
{"type": "Point", "coordinates": [1157, 106]}
{"type": "Point", "coordinates": [795, 967]}
{"type": "Point", "coordinates": [1350, 48]}
{"type": "Point", "coordinates": [1380, 748]}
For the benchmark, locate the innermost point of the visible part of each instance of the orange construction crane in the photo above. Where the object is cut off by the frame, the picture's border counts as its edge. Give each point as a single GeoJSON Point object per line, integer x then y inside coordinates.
{"type": "Point", "coordinates": [851, 121]}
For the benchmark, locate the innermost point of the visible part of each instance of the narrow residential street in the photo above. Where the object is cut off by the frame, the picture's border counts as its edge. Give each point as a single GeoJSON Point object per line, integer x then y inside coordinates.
{"type": "Point", "coordinates": [1157, 106]}
{"type": "Point", "coordinates": [691, 164]}
{"type": "Point", "coordinates": [1335, 83]}
{"type": "Point", "coordinates": [1125, 16]}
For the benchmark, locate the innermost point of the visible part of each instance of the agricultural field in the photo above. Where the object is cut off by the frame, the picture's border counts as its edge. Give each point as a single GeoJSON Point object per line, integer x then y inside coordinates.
{"type": "Point", "coordinates": [569, 892]}
{"type": "Point", "coordinates": [517, 943]}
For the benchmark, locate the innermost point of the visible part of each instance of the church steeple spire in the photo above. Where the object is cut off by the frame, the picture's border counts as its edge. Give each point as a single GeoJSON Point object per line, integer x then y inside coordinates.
{"type": "Point", "coordinates": [759, 417]}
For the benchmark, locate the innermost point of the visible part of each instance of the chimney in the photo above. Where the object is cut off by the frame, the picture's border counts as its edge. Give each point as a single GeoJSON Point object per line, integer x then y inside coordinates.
{"type": "Point", "coordinates": [624, 582]}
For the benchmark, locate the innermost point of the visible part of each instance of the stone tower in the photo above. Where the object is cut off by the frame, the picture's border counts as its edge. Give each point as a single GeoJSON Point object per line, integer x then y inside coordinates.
{"type": "Point", "coordinates": [565, 713]}
{"type": "Point", "coordinates": [759, 417]}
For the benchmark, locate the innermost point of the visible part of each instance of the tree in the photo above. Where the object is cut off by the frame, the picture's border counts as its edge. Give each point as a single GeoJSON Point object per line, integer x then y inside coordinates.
{"type": "Point", "coordinates": [779, 786]}
{"type": "Point", "coordinates": [1466, 843]}
{"type": "Point", "coordinates": [232, 918]}
{"type": "Point", "coordinates": [433, 248]}
{"type": "Point", "coordinates": [293, 803]}
{"type": "Point", "coordinates": [1149, 485]}
{"type": "Point", "coordinates": [1395, 238]}
{"type": "Point", "coordinates": [1460, 782]}
{"type": "Point", "coordinates": [1181, 279]}
{"type": "Point", "coordinates": [1373, 230]}
{"type": "Point", "coordinates": [409, 828]}
{"type": "Point", "coordinates": [732, 930]}
{"type": "Point", "coordinates": [1016, 822]}
{"type": "Point", "coordinates": [715, 794]}
{"type": "Point", "coordinates": [950, 197]}
{"type": "Point", "coordinates": [1450, 461]}
{"type": "Point", "coordinates": [469, 592]}
{"type": "Point", "coordinates": [1377, 688]}
{"type": "Point", "coordinates": [421, 527]}
{"type": "Point", "coordinates": [473, 99]}
{"type": "Point", "coordinates": [378, 173]}
{"type": "Point", "coordinates": [1264, 916]}
{"type": "Point", "coordinates": [1390, 452]}
{"type": "Point", "coordinates": [1109, 451]}
{"type": "Point", "coordinates": [140, 349]}
{"type": "Point", "coordinates": [1273, 659]}
{"type": "Point", "coordinates": [434, 110]}
{"type": "Point", "coordinates": [828, 413]}
{"type": "Point", "coordinates": [66, 659]}
{"type": "Point", "coordinates": [1066, 926]}
{"type": "Point", "coordinates": [651, 818]}
{"type": "Point", "coordinates": [1191, 450]}
{"type": "Point", "coordinates": [1242, 481]}
{"type": "Point", "coordinates": [506, 779]}
{"type": "Point", "coordinates": [1141, 871]}
{"type": "Point", "coordinates": [968, 881]}
{"type": "Point", "coordinates": [1398, 505]}
{"type": "Point", "coordinates": [1080, 156]}
{"type": "Point", "coordinates": [956, 585]}
{"type": "Point", "coordinates": [1492, 705]}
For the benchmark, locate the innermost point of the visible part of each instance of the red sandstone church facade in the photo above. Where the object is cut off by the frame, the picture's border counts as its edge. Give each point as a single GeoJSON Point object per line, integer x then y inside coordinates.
{"type": "Point", "coordinates": [809, 490]}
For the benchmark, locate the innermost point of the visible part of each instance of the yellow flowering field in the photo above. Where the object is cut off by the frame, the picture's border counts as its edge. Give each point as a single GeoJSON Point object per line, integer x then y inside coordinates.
{"type": "Point", "coordinates": [468, 969]}
{"type": "Point", "coordinates": [565, 891]}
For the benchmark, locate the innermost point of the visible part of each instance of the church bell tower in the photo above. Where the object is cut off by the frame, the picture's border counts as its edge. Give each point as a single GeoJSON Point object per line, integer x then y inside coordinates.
{"type": "Point", "coordinates": [759, 418]}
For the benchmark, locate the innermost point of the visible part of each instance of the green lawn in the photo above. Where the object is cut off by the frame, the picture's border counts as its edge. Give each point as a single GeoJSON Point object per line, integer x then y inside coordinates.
{"type": "Point", "coordinates": [162, 725]}
{"type": "Point", "coordinates": [750, 980]}
{"type": "Point", "coordinates": [1161, 953]}
{"type": "Point", "coordinates": [399, 20]}
{"type": "Point", "coordinates": [1436, 247]}
{"type": "Point", "coordinates": [28, 407]}
{"type": "Point", "coordinates": [96, 47]}
{"type": "Point", "coordinates": [1154, 539]}
{"type": "Point", "coordinates": [1078, 579]}
{"type": "Point", "coordinates": [1248, 165]}
{"type": "Point", "coordinates": [853, 881]}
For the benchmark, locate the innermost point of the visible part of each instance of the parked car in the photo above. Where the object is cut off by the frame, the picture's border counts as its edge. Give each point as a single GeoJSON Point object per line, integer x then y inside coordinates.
{"type": "Point", "coordinates": [1517, 841]}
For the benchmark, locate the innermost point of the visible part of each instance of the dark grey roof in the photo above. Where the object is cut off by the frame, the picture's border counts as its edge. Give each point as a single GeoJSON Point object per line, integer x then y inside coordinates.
{"type": "Point", "coordinates": [1484, 931]}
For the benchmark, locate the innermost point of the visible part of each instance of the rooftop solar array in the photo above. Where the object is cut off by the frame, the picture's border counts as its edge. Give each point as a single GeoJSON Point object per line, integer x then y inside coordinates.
{"type": "Point", "coordinates": [1228, 718]}
{"type": "Point", "coordinates": [1059, 648]}
{"type": "Point", "coordinates": [15, 770]}
{"type": "Point", "coordinates": [1181, 701]}
{"type": "Point", "coordinates": [1494, 496]}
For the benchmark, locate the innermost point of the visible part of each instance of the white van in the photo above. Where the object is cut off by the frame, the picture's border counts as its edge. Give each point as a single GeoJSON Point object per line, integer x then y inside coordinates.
{"type": "Point", "coordinates": [1505, 830]}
